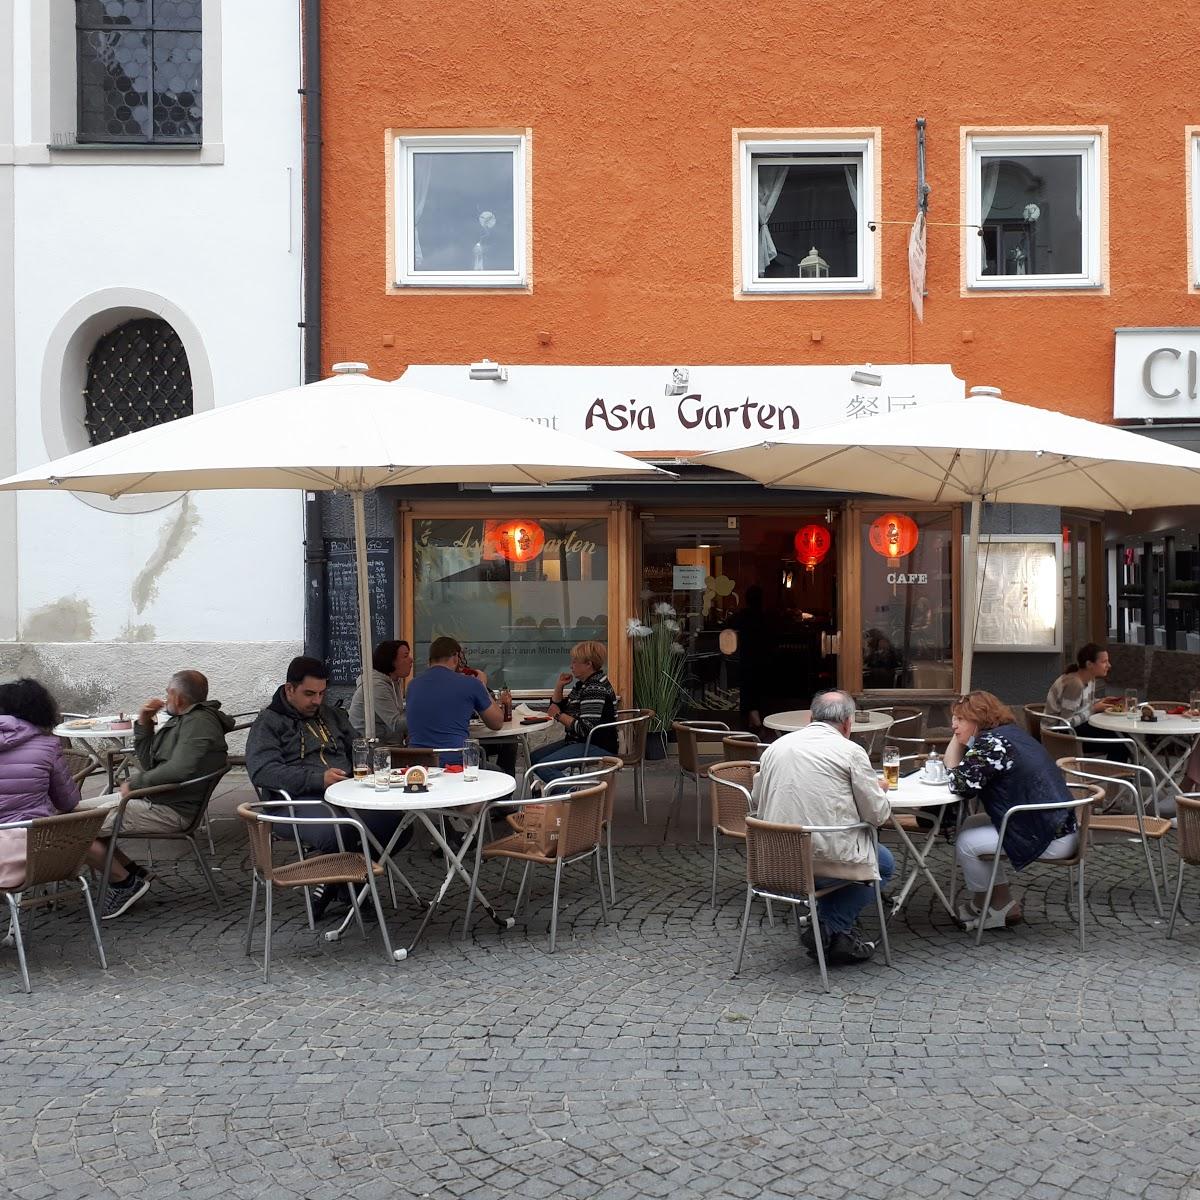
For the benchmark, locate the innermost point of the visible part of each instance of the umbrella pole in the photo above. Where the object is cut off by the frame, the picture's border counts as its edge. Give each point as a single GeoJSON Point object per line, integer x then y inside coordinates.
{"type": "Point", "coordinates": [970, 584]}
{"type": "Point", "coordinates": [364, 611]}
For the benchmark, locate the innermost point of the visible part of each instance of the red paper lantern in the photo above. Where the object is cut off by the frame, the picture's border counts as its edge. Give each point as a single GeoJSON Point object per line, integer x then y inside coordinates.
{"type": "Point", "coordinates": [894, 535]}
{"type": "Point", "coordinates": [812, 543]}
{"type": "Point", "coordinates": [519, 541]}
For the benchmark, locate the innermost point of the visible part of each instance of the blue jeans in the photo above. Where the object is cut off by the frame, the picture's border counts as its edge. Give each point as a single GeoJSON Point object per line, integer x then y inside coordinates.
{"type": "Point", "coordinates": [555, 752]}
{"type": "Point", "coordinates": [839, 910]}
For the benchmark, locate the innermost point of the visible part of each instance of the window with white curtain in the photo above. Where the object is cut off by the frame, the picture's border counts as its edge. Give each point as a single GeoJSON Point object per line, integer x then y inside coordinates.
{"type": "Point", "coordinates": [1034, 212]}
{"type": "Point", "coordinates": [1194, 215]}
{"type": "Point", "coordinates": [805, 209]}
{"type": "Point", "coordinates": [460, 211]}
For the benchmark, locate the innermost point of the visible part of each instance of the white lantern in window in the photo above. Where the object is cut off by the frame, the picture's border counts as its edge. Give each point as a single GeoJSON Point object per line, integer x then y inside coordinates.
{"type": "Point", "coordinates": [813, 266]}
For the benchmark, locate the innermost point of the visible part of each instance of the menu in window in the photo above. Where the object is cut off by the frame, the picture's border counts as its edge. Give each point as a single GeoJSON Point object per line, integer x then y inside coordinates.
{"type": "Point", "coordinates": [1019, 598]}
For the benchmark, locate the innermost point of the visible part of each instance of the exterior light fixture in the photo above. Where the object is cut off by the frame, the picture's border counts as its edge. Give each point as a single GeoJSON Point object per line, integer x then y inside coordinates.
{"type": "Point", "coordinates": [489, 370]}
{"type": "Point", "coordinates": [870, 378]}
{"type": "Point", "coordinates": [813, 266]}
{"type": "Point", "coordinates": [679, 382]}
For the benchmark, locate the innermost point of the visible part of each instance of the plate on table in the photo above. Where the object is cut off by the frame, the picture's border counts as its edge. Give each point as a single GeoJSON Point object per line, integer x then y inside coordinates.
{"type": "Point", "coordinates": [934, 782]}
{"type": "Point", "coordinates": [84, 723]}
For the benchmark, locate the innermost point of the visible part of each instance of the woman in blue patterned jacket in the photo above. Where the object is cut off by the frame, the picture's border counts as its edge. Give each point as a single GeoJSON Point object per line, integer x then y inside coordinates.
{"type": "Point", "coordinates": [995, 759]}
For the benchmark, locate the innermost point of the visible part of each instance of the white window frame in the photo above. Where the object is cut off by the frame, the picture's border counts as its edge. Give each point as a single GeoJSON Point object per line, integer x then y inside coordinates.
{"type": "Point", "coordinates": [405, 273]}
{"type": "Point", "coordinates": [1087, 146]}
{"type": "Point", "coordinates": [1194, 214]}
{"type": "Point", "coordinates": [812, 150]}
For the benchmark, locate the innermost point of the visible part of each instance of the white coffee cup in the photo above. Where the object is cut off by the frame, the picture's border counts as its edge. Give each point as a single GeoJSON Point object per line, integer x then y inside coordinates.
{"type": "Point", "coordinates": [935, 770]}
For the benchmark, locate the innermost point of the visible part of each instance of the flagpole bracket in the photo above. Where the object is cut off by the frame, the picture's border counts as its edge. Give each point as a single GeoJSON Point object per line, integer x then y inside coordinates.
{"type": "Point", "coordinates": [922, 186]}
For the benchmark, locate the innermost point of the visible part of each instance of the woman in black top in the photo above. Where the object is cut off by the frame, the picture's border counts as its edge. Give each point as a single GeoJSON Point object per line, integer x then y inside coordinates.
{"type": "Point", "coordinates": [590, 702]}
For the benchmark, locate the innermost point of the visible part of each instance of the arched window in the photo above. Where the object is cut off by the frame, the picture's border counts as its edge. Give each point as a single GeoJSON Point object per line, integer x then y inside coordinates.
{"type": "Point", "coordinates": [139, 71]}
{"type": "Point", "coordinates": [137, 377]}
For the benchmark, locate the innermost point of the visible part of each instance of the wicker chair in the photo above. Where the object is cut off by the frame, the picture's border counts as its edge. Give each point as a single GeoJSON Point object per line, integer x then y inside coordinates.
{"type": "Point", "coordinates": [350, 867]}
{"type": "Point", "coordinates": [186, 834]}
{"type": "Point", "coordinates": [578, 839]}
{"type": "Point", "coordinates": [1086, 795]}
{"type": "Point", "coordinates": [729, 791]}
{"type": "Point", "coordinates": [779, 866]}
{"type": "Point", "coordinates": [55, 852]}
{"type": "Point", "coordinates": [743, 747]}
{"type": "Point", "coordinates": [1188, 816]}
{"type": "Point", "coordinates": [633, 729]}
{"type": "Point", "coordinates": [1124, 779]}
{"type": "Point", "coordinates": [1034, 714]}
{"type": "Point", "coordinates": [690, 738]}
{"type": "Point", "coordinates": [79, 764]}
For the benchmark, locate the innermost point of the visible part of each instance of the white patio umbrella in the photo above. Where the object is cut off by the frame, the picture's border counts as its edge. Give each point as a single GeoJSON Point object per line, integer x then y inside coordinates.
{"type": "Point", "coordinates": [976, 449]}
{"type": "Point", "coordinates": [349, 433]}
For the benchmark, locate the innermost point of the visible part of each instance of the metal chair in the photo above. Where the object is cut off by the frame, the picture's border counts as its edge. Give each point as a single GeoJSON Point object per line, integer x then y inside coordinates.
{"type": "Point", "coordinates": [185, 834]}
{"type": "Point", "coordinates": [79, 764]}
{"type": "Point", "coordinates": [1188, 818]}
{"type": "Point", "coordinates": [779, 866]}
{"type": "Point", "coordinates": [349, 867]}
{"type": "Point", "coordinates": [633, 729]}
{"type": "Point", "coordinates": [55, 851]}
{"type": "Point", "coordinates": [1087, 795]}
{"type": "Point", "coordinates": [690, 736]}
{"type": "Point", "coordinates": [730, 785]}
{"type": "Point", "coordinates": [578, 839]}
{"type": "Point", "coordinates": [1034, 714]}
{"type": "Point", "coordinates": [1136, 826]}
{"type": "Point", "coordinates": [743, 748]}
{"type": "Point", "coordinates": [906, 732]}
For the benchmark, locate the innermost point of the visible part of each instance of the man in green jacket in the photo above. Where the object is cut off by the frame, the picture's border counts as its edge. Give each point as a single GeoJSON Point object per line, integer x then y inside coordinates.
{"type": "Point", "coordinates": [190, 744]}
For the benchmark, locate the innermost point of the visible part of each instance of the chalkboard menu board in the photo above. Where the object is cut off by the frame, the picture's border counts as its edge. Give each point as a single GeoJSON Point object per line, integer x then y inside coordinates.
{"type": "Point", "coordinates": [343, 652]}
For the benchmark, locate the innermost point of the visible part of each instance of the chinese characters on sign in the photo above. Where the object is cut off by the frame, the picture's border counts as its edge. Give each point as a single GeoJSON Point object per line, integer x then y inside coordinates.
{"type": "Point", "coordinates": [871, 405]}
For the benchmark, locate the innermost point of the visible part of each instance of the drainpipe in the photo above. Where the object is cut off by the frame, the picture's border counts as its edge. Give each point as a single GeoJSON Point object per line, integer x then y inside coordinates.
{"type": "Point", "coordinates": [314, 525]}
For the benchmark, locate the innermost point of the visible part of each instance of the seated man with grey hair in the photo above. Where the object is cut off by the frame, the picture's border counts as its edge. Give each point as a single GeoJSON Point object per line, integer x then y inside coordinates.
{"type": "Point", "coordinates": [818, 776]}
{"type": "Point", "coordinates": [189, 744]}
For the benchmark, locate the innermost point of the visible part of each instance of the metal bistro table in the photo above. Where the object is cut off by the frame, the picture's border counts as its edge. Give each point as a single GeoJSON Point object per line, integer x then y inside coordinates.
{"type": "Point", "coordinates": [513, 729]}
{"type": "Point", "coordinates": [914, 793]}
{"type": "Point", "coordinates": [1183, 731]}
{"type": "Point", "coordinates": [98, 730]}
{"type": "Point", "coordinates": [873, 724]}
{"type": "Point", "coordinates": [448, 792]}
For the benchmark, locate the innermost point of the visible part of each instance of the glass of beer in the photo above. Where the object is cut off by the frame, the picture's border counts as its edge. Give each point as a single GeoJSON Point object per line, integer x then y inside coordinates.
{"type": "Point", "coordinates": [362, 758]}
{"type": "Point", "coordinates": [1131, 703]}
{"type": "Point", "coordinates": [1194, 703]}
{"type": "Point", "coordinates": [891, 767]}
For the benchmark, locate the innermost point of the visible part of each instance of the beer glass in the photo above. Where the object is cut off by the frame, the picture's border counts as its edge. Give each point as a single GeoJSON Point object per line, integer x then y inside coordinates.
{"type": "Point", "coordinates": [1194, 703]}
{"type": "Point", "coordinates": [362, 758]}
{"type": "Point", "coordinates": [471, 756]}
{"type": "Point", "coordinates": [891, 767]}
{"type": "Point", "coordinates": [383, 769]}
{"type": "Point", "coordinates": [1131, 703]}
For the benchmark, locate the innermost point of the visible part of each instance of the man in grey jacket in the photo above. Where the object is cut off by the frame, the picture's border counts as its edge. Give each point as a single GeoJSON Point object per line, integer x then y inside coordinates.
{"type": "Point", "coordinates": [818, 776]}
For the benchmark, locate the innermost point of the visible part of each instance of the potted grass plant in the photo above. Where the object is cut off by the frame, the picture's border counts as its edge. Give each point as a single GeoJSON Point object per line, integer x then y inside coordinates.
{"type": "Point", "coordinates": [658, 659]}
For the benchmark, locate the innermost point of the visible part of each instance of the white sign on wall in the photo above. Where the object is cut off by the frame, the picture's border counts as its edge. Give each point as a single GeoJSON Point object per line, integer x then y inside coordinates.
{"type": "Point", "coordinates": [1156, 374]}
{"type": "Point", "coordinates": [716, 408]}
{"type": "Point", "coordinates": [687, 578]}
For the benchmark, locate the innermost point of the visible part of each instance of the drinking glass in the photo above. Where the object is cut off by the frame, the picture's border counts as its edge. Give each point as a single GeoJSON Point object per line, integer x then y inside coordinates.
{"type": "Point", "coordinates": [1194, 702]}
{"type": "Point", "coordinates": [470, 757]}
{"type": "Point", "coordinates": [383, 769]}
{"type": "Point", "coordinates": [1131, 703]}
{"type": "Point", "coordinates": [362, 758]}
{"type": "Point", "coordinates": [891, 767]}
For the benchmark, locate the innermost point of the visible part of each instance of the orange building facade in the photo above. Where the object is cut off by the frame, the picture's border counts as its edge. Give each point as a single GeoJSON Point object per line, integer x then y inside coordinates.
{"type": "Point", "coordinates": [729, 193]}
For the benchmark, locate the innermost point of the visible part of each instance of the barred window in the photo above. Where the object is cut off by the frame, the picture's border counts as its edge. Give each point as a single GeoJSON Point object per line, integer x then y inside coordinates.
{"type": "Point", "coordinates": [137, 377]}
{"type": "Point", "coordinates": [139, 65]}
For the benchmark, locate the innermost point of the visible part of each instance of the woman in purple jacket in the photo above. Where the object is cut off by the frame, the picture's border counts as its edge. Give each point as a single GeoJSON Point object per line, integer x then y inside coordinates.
{"type": "Point", "coordinates": [34, 778]}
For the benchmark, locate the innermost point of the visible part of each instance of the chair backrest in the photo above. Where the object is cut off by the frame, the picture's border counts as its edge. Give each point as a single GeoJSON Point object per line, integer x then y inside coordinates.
{"type": "Point", "coordinates": [79, 764]}
{"type": "Point", "coordinates": [584, 818]}
{"type": "Point", "coordinates": [210, 786]}
{"type": "Point", "coordinates": [729, 787]}
{"type": "Point", "coordinates": [739, 748]}
{"type": "Point", "coordinates": [907, 721]}
{"type": "Point", "coordinates": [778, 858]}
{"type": "Point", "coordinates": [1061, 744]}
{"type": "Point", "coordinates": [632, 743]}
{"type": "Point", "coordinates": [1187, 810]}
{"type": "Point", "coordinates": [259, 834]}
{"type": "Point", "coordinates": [1094, 794]}
{"type": "Point", "coordinates": [689, 735]}
{"type": "Point", "coordinates": [1033, 719]}
{"type": "Point", "coordinates": [56, 847]}
{"type": "Point", "coordinates": [600, 767]}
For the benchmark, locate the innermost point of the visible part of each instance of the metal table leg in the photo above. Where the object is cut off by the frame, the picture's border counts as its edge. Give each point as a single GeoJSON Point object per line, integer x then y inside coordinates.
{"type": "Point", "coordinates": [920, 867]}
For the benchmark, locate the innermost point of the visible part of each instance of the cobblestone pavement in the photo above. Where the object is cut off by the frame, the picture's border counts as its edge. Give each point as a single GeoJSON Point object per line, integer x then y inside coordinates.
{"type": "Point", "coordinates": [627, 1064]}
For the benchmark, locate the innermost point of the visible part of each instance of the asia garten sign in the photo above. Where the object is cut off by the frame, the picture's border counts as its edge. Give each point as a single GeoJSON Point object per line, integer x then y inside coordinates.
{"type": "Point", "coordinates": [625, 408]}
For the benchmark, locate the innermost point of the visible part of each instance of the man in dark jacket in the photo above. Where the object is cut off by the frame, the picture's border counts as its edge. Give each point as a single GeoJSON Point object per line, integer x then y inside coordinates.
{"type": "Point", "coordinates": [190, 744]}
{"type": "Point", "coordinates": [300, 745]}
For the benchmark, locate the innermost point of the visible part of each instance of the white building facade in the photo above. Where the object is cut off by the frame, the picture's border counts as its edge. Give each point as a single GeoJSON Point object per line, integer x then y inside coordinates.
{"type": "Point", "coordinates": [150, 265]}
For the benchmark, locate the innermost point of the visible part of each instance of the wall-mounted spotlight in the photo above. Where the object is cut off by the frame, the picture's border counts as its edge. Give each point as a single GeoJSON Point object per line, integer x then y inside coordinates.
{"type": "Point", "coordinates": [489, 370]}
{"type": "Point", "coordinates": [679, 382]}
{"type": "Point", "coordinates": [868, 377]}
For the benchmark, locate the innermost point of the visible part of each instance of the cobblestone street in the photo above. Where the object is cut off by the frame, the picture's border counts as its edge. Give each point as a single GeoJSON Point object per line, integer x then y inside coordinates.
{"type": "Point", "coordinates": [629, 1063]}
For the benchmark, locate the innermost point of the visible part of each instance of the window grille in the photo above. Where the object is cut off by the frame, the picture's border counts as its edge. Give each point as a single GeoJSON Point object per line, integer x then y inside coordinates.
{"type": "Point", "coordinates": [137, 377]}
{"type": "Point", "coordinates": [139, 64]}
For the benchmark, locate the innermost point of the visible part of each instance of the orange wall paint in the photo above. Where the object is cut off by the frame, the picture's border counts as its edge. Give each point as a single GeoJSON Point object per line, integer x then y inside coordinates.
{"type": "Point", "coordinates": [632, 107]}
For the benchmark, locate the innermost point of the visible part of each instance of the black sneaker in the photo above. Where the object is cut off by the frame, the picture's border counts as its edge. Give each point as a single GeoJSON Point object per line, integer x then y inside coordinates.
{"type": "Point", "coordinates": [808, 940]}
{"type": "Point", "coordinates": [849, 948]}
{"type": "Point", "coordinates": [120, 896]}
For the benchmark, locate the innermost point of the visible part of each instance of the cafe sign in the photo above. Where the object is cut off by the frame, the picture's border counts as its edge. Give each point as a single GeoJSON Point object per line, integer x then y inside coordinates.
{"type": "Point", "coordinates": [669, 409]}
{"type": "Point", "coordinates": [1156, 374]}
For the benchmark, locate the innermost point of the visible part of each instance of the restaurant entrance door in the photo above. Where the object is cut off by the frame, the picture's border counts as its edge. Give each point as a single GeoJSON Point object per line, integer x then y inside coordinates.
{"type": "Point", "coordinates": [755, 596]}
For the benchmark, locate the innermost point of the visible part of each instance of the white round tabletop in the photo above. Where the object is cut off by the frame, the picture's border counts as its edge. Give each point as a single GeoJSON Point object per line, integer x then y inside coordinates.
{"type": "Point", "coordinates": [446, 790]}
{"type": "Point", "coordinates": [481, 733]}
{"type": "Point", "coordinates": [789, 722]}
{"type": "Point", "coordinates": [97, 730]}
{"type": "Point", "coordinates": [1165, 726]}
{"type": "Point", "coordinates": [913, 792]}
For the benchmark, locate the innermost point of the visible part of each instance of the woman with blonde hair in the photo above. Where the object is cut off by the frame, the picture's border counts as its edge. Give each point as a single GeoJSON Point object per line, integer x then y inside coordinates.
{"type": "Point", "coordinates": [994, 758]}
{"type": "Point", "coordinates": [590, 702]}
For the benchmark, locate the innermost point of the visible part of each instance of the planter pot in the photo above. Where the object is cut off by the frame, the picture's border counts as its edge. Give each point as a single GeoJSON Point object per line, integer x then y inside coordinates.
{"type": "Point", "coordinates": [656, 746]}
